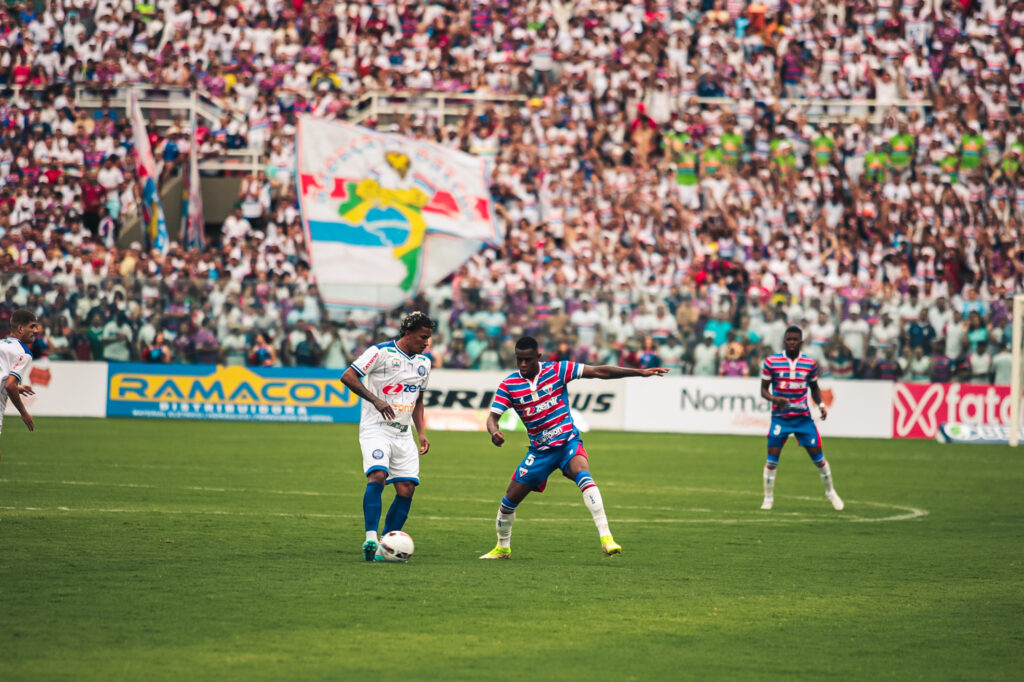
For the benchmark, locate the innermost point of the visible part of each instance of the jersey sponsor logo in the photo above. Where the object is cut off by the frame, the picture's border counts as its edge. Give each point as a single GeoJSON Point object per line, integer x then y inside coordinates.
{"type": "Point", "coordinates": [548, 435]}
{"type": "Point", "coordinates": [377, 454]}
{"type": "Point", "coordinates": [395, 389]}
{"type": "Point", "coordinates": [369, 363]}
{"type": "Point", "coordinates": [595, 403]}
{"type": "Point", "coordinates": [540, 407]}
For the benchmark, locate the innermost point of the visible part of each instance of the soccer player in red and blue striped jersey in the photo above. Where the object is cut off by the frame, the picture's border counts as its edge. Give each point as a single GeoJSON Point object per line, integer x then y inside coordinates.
{"type": "Point", "coordinates": [538, 394]}
{"type": "Point", "coordinates": [786, 379]}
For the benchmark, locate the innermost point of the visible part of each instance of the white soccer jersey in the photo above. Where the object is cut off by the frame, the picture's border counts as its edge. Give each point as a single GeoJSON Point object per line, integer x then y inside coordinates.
{"type": "Point", "coordinates": [15, 358]}
{"type": "Point", "coordinates": [400, 379]}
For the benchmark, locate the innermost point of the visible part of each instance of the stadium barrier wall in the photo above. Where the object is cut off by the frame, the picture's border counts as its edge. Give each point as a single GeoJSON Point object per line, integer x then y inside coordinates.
{"type": "Point", "coordinates": [459, 399]}
{"type": "Point", "coordinates": [857, 409]}
{"type": "Point", "coordinates": [215, 392]}
{"type": "Point", "coordinates": [919, 410]}
{"type": "Point", "coordinates": [65, 389]}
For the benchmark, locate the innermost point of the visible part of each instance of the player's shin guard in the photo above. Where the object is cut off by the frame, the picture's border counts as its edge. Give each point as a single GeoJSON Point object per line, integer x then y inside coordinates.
{"type": "Point", "coordinates": [592, 498]}
{"type": "Point", "coordinates": [397, 514]}
{"type": "Point", "coordinates": [503, 524]}
{"type": "Point", "coordinates": [825, 472]}
{"type": "Point", "coordinates": [371, 508]}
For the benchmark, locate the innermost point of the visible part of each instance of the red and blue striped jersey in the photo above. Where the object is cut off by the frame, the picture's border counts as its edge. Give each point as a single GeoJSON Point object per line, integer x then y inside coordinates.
{"type": "Point", "coordinates": [790, 379]}
{"type": "Point", "coordinates": [543, 404]}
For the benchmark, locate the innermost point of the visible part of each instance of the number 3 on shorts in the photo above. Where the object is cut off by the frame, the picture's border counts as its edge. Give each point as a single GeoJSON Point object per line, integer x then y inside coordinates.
{"type": "Point", "coordinates": [529, 460]}
{"type": "Point", "coordinates": [777, 429]}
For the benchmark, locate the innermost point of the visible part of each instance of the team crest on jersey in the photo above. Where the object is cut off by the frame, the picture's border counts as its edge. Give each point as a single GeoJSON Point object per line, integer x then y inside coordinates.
{"type": "Point", "coordinates": [523, 471]}
{"type": "Point", "coordinates": [421, 370]}
{"type": "Point", "coordinates": [378, 454]}
{"type": "Point", "coordinates": [396, 363]}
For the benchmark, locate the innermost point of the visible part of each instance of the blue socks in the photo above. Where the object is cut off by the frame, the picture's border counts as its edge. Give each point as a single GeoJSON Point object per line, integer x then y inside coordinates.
{"type": "Point", "coordinates": [372, 505]}
{"type": "Point", "coordinates": [397, 514]}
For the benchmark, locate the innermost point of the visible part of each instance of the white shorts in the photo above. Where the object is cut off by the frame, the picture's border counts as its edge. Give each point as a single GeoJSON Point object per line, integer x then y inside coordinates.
{"type": "Point", "coordinates": [391, 452]}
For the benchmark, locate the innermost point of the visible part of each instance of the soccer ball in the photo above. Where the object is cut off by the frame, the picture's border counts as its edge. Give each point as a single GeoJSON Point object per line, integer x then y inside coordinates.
{"type": "Point", "coordinates": [396, 546]}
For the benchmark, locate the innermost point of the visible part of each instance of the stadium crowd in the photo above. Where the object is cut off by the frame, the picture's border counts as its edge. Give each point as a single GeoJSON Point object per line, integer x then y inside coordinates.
{"type": "Point", "coordinates": [645, 223]}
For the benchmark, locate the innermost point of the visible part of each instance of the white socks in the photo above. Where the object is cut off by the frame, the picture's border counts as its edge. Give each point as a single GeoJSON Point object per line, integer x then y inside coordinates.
{"type": "Point", "coordinates": [826, 477]}
{"type": "Point", "coordinates": [769, 482]}
{"type": "Point", "coordinates": [504, 526]}
{"type": "Point", "coordinates": [592, 498]}
{"type": "Point", "coordinates": [371, 535]}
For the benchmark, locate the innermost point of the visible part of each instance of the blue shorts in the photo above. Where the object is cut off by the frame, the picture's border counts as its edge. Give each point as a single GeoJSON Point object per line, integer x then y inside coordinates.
{"type": "Point", "coordinates": [802, 427]}
{"type": "Point", "coordinates": [539, 464]}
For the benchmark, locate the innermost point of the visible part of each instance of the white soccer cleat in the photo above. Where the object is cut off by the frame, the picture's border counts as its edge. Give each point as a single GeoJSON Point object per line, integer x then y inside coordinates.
{"type": "Point", "coordinates": [767, 504]}
{"type": "Point", "coordinates": [837, 502]}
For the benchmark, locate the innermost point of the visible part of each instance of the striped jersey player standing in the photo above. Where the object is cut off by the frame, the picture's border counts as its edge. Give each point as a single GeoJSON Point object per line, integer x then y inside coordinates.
{"type": "Point", "coordinates": [391, 378]}
{"type": "Point", "coordinates": [785, 380]}
{"type": "Point", "coordinates": [15, 361]}
{"type": "Point", "coordinates": [538, 394]}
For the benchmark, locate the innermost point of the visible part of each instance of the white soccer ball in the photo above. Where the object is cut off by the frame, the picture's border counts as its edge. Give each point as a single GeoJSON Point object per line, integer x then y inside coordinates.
{"type": "Point", "coordinates": [396, 546]}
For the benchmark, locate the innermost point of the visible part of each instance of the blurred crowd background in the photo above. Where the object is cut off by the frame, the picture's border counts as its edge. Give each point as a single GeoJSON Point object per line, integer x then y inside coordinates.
{"type": "Point", "coordinates": [678, 180]}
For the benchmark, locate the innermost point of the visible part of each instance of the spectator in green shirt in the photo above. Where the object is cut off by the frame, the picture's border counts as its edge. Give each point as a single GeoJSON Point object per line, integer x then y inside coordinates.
{"type": "Point", "coordinates": [903, 147]}
{"type": "Point", "coordinates": [876, 161]}
{"type": "Point", "coordinates": [733, 146]}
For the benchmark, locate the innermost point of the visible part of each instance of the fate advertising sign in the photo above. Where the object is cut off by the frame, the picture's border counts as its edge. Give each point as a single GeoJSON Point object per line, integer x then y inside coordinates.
{"type": "Point", "coordinates": [278, 394]}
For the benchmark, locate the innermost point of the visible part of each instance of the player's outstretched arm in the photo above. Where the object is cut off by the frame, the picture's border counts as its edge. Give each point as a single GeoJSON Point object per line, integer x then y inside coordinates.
{"type": "Point", "coordinates": [351, 380]}
{"type": "Point", "coordinates": [614, 372]}
{"type": "Point", "coordinates": [14, 393]}
{"type": "Point", "coordinates": [497, 437]}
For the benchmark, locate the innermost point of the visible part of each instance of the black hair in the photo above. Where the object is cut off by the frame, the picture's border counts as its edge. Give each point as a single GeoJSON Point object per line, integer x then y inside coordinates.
{"type": "Point", "coordinates": [793, 329]}
{"type": "Point", "coordinates": [415, 321]}
{"type": "Point", "coordinates": [21, 317]}
{"type": "Point", "coordinates": [527, 343]}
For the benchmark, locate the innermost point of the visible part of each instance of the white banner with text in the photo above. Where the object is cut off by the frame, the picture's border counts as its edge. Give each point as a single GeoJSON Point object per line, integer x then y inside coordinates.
{"type": "Point", "coordinates": [857, 409]}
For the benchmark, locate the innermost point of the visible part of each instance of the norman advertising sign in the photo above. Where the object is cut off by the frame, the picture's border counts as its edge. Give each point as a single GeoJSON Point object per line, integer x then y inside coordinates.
{"type": "Point", "coordinates": [280, 394]}
{"type": "Point", "coordinates": [857, 409]}
{"type": "Point", "coordinates": [920, 409]}
{"type": "Point", "coordinates": [460, 400]}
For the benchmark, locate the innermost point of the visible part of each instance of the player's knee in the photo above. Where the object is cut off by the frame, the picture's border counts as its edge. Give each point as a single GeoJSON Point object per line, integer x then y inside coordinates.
{"type": "Point", "coordinates": [377, 476]}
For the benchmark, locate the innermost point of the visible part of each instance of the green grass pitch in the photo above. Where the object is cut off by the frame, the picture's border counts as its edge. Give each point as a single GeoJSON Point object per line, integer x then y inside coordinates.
{"type": "Point", "coordinates": [149, 550]}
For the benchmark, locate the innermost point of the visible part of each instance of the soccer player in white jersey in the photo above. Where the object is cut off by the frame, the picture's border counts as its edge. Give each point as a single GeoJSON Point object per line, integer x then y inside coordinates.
{"type": "Point", "coordinates": [15, 361]}
{"type": "Point", "coordinates": [391, 378]}
{"type": "Point", "coordinates": [785, 380]}
{"type": "Point", "coordinates": [538, 393]}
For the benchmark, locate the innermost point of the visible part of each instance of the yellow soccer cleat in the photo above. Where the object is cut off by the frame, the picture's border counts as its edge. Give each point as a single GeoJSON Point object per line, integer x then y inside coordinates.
{"type": "Point", "coordinates": [609, 545]}
{"type": "Point", "coordinates": [498, 552]}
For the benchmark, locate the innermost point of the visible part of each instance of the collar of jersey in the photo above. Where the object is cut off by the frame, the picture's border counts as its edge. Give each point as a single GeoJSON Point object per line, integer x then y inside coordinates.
{"type": "Point", "coordinates": [395, 345]}
{"type": "Point", "coordinates": [22, 343]}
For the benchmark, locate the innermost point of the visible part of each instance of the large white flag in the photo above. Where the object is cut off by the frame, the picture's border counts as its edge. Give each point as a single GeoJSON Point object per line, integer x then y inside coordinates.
{"type": "Point", "coordinates": [386, 215]}
{"type": "Point", "coordinates": [154, 227]}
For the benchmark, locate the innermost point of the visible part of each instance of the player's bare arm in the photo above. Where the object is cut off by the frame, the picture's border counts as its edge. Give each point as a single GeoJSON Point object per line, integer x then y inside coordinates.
{"type": "Point", "coordinates": [14, 394]}
{"type": "Point", "coordinates": [351, 380]}
{"type": "Point", "coordinates": [497, 437]}
{"type": "Point", "coordinates": [766, 393]}
{"type": "Point", "coordinates": [614, 372]}
{"type": "Point", "coordinates": [417, 420]}
{"type": "Point", "coordinates": [818, 399]}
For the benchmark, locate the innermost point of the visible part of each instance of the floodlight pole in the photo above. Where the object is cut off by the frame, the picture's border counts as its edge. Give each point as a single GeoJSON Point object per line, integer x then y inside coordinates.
{"type": "Point", "coordinates": [1015, 367]}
